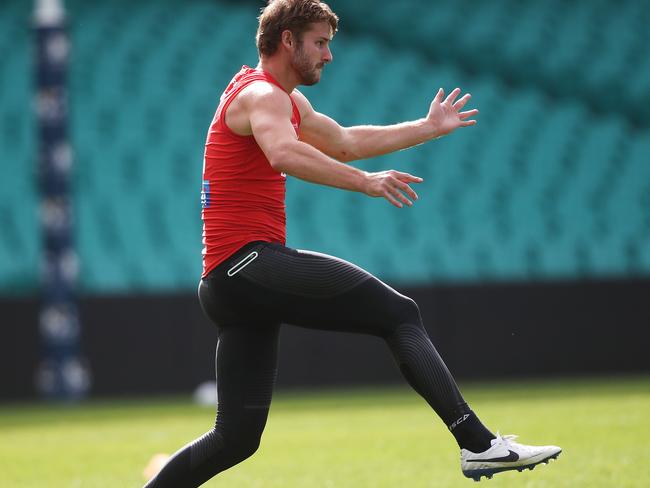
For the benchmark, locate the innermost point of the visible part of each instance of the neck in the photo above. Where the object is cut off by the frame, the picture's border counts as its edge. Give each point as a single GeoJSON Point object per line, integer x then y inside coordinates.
{"type": "Point", "coordinates": [280, 70]}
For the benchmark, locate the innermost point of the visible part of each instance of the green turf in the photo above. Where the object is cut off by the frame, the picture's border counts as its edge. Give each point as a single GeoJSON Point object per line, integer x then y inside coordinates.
{"type": "Point", "coordinates": [363, 438]}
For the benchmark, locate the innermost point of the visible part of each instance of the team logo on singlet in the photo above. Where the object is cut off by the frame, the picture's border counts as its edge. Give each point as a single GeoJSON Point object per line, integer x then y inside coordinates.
{"type": "Point", "coordinates": [205, 194]}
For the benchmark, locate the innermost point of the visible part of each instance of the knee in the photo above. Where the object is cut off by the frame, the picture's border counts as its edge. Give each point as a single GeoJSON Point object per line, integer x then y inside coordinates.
{"type": "Point", "coordinates": [243, 445]}
{"type": "Point", "coordinates": [401, 310]}
{"type": "Point", "coordinates": [241, 431]}
{"type": "Point", "coordinates": [407, 311]}
{"type": "Point", "coordinates": [242, 435]}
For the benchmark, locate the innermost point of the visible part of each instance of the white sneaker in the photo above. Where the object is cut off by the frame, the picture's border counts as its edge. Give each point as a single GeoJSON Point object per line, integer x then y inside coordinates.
{"type": "Point", "coordinates": [505, 455]}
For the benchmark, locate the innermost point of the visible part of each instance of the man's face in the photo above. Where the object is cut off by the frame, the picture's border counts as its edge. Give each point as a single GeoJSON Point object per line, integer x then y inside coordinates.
{"type": "Point", "coordinates": [312, 53]}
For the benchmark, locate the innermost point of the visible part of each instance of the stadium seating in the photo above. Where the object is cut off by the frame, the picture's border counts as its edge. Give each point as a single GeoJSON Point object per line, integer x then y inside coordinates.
{"type": "Point", "coordinates": [554, 181]}
{"type": "Point", "coordinates": [570, 49]}
{"type": "Point", "coordinates": [19, 230]}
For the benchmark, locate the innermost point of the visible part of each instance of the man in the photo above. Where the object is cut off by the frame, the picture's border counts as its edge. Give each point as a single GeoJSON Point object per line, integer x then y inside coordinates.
{"type": "Point", "coordinates": [263, 130]}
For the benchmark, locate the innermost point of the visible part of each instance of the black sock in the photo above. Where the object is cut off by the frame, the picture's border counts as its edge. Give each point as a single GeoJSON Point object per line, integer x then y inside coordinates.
{"type": "Point", "coordinates": [427, 373]}
{"type": "Point", "coordinates": [470, 433]}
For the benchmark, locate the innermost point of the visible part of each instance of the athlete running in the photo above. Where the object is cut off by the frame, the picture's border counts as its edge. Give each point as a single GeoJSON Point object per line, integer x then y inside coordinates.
{"type": "Point", "coordinates": [263, 130]}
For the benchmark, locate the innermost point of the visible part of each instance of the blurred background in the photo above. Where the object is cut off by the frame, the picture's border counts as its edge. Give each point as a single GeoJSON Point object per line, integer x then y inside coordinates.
{"type": "Point", "coordinates": [528, 251]}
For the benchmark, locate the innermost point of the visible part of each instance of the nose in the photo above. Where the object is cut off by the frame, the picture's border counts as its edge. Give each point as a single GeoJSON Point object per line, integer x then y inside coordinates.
{"type": "Point", "coordinates": [328, 55]}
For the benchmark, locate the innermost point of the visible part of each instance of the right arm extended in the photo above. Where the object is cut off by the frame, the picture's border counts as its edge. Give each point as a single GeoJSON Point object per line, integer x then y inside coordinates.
{"type": "Point", "coordinates": [269, 114]}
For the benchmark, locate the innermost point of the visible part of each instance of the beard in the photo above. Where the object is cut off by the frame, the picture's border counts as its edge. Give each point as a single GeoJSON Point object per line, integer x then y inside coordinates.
{"type": "Point", "coordinates": [309, 73]}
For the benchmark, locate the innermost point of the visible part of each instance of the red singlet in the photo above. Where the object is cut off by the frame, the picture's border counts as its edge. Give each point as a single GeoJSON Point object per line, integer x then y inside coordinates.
{"type": "Point", "coordinates": [242, 195]}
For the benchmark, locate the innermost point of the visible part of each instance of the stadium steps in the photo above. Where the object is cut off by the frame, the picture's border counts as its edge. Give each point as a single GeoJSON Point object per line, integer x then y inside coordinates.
{"type": "Point", "coordinates": [19, 227]}
{"type": "Point", "coordinates": [559, 46]}
{"type": "Point", "coordinates": [552, 182]}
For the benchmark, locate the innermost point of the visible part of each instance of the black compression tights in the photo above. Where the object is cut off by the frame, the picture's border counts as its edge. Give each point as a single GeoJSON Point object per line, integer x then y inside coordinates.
{"type": "Point", "coordinates": [263, 285]}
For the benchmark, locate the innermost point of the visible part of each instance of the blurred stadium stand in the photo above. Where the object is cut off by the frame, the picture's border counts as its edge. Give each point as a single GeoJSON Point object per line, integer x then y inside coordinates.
{"type": "Point", "coordinates": [553, 184]}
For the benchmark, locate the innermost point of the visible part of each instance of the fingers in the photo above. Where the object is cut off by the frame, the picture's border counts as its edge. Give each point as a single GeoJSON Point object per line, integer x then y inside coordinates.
{"type": "Point", "coordinates": [452, 96]}
{"type": "Point", "coordinates": [468, 113]}
{"type": "Point", "coordinates": [401, 199]}
{"type": "Point", "coordinates": [394, 187]}
{"type": "Point", "coordinates": [392, 200]}
{"type": "Point", "coordinates": [439, 96]}
{"type": "Point", "coordinates": [407, 189]}
{"type": "Point", "coordinates": [407, 177]}
{"type": "Point", "coordinates": [461, 102]}
{"type": "Point", "coordinates": [398, 189]}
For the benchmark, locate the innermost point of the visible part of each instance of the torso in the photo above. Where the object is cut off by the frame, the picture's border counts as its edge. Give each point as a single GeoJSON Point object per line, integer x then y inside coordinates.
{"type": "Point", "coordinates": [243, 196]}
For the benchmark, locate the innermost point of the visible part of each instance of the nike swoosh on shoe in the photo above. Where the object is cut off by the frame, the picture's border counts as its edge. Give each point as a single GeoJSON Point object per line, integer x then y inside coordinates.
{"type": "Point", "coordinates": [512, 456]}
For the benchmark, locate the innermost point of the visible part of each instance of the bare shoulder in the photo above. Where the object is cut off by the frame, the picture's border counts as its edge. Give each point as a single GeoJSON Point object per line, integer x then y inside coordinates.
{"type": "Point", "coordinates": [264, 94]}
{"type": "Point", "coordinates": [259, 96]}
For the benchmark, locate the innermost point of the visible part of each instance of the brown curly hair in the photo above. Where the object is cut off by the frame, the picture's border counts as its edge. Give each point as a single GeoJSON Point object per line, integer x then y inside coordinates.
{"type": "Point", "coordinates": [292, 15]}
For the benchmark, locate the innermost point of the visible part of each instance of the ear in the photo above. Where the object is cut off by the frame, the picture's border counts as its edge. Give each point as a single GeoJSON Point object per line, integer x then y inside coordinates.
{"type": "Point", "coordinates": [287, 39]}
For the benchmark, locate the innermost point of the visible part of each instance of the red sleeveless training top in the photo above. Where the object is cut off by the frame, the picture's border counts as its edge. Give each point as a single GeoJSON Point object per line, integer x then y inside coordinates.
{"type": "Point", "coordinates": [242, 195]}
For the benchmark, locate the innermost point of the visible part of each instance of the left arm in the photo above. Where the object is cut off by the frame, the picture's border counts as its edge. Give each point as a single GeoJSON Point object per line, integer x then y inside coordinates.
{"type": "Point", "coordinates": [365, 141]}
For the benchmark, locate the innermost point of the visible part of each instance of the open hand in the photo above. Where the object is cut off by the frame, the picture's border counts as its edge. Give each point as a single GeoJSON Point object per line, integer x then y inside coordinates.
{"type": "Point", "coordinates": [393, 186]}
{"type": "Point", "coordinates": [446, 116]}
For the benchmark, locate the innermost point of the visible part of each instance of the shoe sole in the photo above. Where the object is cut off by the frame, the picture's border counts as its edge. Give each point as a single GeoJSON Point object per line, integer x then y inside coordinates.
{"type": "Point", "coordinates": [476, 474]}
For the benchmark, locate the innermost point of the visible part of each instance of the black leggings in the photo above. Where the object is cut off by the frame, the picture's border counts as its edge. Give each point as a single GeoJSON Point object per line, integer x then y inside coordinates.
{"type": "Point", "coordinates": [248, 297]}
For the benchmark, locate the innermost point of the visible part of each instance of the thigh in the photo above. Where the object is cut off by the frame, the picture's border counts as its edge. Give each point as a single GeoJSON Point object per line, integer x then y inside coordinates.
{"type": "Point", "coordinates": [316, 290]}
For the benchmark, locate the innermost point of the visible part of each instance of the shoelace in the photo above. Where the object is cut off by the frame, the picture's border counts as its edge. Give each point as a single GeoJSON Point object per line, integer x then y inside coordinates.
{"type": "Point", "coordinates": [507, 437]}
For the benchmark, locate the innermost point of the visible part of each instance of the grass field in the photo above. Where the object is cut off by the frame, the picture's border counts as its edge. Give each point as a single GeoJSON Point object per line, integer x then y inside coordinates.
{"type": "Point", "coordinates": [361, 438]}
